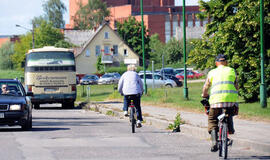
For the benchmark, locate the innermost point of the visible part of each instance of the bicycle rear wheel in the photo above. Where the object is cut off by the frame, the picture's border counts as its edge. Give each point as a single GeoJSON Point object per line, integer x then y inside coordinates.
{"type": "Point", "coordinates": [224, 136]}
{"type": "Point", "coordinates": [132, 118]}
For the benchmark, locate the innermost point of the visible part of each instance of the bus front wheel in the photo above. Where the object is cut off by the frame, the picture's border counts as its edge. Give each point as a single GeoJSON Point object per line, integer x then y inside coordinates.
{"type": "Point", "coordinates": [36, 105]}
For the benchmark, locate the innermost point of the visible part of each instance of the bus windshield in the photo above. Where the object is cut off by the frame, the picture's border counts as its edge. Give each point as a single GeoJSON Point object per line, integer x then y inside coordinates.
{"type": "Point", "coordinates": [51, 58]}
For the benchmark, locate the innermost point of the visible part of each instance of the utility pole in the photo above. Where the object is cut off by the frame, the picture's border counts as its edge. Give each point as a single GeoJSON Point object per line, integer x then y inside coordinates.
{"type": "Point", "coordinates": [184, 51]}
{"type": "Point", "coordinates": [263, 96]}
{"type": "Point", "coordinates": [145, 86]}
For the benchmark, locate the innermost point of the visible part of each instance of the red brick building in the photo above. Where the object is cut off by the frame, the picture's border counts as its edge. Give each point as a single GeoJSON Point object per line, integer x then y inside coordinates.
{"type": "Point", "coordinates": [160, 16]}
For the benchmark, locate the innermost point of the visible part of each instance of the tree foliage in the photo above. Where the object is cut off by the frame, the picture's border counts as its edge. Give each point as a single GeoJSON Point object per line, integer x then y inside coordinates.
{"type": "Point", "coordinates": [45, 35]}
{"type": "Point", "coordinates": [54, 10]}
{"type": "Point", "coordinates": [173, 51]}
{"type": "Point", "coordinates": [130, 32]}
{"type": "Point", "coordinates": [234, 30]}
{"type": "Point", "coordinates": [157, 49]}
{"type": "Point", "coordinates": [6, 52]}
{"type": "Point", "coordinates": [91, 15]}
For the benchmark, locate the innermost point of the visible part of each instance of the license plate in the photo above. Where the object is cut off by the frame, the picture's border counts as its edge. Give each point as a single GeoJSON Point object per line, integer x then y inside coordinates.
{"type": "Point", "coordinates": [2, 115]}
{"type": "Point", "coordinates": [50, 89]}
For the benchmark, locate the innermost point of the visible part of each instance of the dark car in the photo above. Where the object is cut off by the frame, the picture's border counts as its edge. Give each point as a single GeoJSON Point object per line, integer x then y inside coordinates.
{"type": "Point", "coordinates": [167, 71]}
{"type": "Point", "coordinates": [89, 79]}
{"type": "Point", "coordinates": [15, 105]}
{"type": "Point", "coordinates": [176, 80]}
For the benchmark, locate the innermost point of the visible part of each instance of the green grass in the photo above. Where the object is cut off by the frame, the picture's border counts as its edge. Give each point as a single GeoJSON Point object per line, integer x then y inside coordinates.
{"type": "Point", "coordinates": [173, 97]}
{"type": "Point", "coordinates": [11, 74]}
{"type": "Point", "coordinates": [97, 92]}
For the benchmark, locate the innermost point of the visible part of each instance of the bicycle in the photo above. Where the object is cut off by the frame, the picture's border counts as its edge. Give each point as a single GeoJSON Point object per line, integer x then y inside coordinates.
{"type": "Point", "coordinates": [223, 134]}
{"type": "Point", "coordinates": [223, 129]}
{"type": "Point", "coordinates": [132, 116]}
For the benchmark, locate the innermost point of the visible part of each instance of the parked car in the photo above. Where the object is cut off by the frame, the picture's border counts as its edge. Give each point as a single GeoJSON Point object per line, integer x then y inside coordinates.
{"type": "Point", "coordinates": [89, 79]}
{"type": "Point", "coordinates": [158, 81]}
{"type": "Point", "coordinates": [167, 71]}
{"type": "Point", "coordinates": [15, 105]}
{"type": "Point", "coordinates": [109, 78]}
{"type": "Point", "coordinates": [190, 75]}
{"type": "Point", "coordinates": [178, 82]}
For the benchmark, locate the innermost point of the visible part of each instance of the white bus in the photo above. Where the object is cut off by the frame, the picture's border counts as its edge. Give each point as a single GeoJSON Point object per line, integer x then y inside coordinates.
{"type": "Point", "coordinates": [50, 73]}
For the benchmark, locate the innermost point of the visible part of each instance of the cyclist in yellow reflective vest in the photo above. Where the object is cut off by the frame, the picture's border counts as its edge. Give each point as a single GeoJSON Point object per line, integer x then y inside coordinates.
{"type": "Point", "coordinates": [223, 94]}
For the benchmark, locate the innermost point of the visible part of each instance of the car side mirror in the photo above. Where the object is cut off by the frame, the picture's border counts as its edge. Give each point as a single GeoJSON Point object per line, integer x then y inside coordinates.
{"type": "Point", "coordinates": [30, 94]}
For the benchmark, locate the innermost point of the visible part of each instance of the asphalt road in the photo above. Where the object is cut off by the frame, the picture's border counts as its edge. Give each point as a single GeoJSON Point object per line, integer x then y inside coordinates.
{"type": "Point", "coordinates": [85, 135]}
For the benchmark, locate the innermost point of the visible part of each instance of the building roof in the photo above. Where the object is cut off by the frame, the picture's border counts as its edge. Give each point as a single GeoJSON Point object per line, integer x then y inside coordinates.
{"type": "Point", "coordinates": [78, 37]}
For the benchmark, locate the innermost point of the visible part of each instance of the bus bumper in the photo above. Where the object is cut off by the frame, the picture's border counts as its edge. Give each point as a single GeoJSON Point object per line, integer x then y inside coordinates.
{"type": "Point", "coordinates": [53, 98]}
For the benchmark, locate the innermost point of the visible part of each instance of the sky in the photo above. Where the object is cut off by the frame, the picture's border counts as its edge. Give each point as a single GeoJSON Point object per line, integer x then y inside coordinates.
{"type": "Point", "coordinates": [21, 12]}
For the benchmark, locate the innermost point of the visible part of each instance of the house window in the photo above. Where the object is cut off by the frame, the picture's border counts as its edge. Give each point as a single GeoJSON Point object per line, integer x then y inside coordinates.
{"type": "Point", "coordinates": [87, 53]}
{"type": "Point", "coordinates": [115, 49]}
{"type": "Point", "coordinates": [106, 49]}
{"type": "Point", "coordinates": [97, 50]}
{"type": "Point", "coordinates": [125, 52]}
{"type": "Point", "coordinates": [106, 35]}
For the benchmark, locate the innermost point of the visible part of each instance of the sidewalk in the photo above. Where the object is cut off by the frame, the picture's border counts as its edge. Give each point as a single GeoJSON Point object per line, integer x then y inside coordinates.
{"type": "Point", "coordinates": [249, 134]}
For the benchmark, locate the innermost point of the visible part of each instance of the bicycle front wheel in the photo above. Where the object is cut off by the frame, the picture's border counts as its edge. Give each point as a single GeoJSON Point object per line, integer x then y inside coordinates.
{"type": "Point", "coordinates": [224, 136]}
{"type": "Point", "coordinates": [132, 118]}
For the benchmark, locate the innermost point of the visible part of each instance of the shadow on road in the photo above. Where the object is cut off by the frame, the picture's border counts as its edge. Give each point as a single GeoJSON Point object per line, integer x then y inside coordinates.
{"type": "Point", "coordinates": [251, 157]}
{"type": "Point", "coordinates": [32, 130]}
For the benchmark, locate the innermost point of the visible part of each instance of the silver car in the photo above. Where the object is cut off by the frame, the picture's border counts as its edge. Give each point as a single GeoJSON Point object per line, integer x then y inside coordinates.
{"type": "Point", "coordinates": [158, 81]}
{"type": "Point", "coordinates": [109, 78]}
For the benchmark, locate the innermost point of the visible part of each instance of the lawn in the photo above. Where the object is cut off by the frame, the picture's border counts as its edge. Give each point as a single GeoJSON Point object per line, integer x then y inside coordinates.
{"type": "Point", "coordinates": [11, 74]}
{"type": "Point", "coordinates": [173, 97]}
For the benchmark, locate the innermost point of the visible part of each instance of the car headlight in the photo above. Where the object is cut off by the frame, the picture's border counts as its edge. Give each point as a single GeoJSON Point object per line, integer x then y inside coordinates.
{"type": "Point", "coordinates": [14, 107]}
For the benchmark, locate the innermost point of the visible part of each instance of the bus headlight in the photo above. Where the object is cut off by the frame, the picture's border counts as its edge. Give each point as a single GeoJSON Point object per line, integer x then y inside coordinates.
{"type": "Point", "coordinates": [15, 107]}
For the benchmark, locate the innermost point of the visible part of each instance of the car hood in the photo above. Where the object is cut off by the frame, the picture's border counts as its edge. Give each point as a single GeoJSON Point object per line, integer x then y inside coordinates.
{"type": "Point", "coordinates": [11, 100]}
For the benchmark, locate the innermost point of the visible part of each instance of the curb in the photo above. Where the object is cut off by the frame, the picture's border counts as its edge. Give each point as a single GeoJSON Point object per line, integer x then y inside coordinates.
{"type": "Point", "coordinates": [187, 129]}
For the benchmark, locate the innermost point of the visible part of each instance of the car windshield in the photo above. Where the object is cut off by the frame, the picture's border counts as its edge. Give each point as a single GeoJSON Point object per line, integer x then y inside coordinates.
{"type": "Point", "coordinates": [11, 89]}
{"type": "Point", "coordinates": [107, 76]}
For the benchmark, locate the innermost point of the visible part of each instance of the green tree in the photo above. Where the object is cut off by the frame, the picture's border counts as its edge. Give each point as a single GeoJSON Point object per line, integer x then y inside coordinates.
{"type": "Point", "coordinates": [54, 10]}
{"type": "Point", "coordinates": [130, 32]}
{"type": "Point", "coordinates": [6, 52]}
{"type": "Point", "coordinates": [91, 15]}
{"type": "Point", "coordinates": [45, 35]}
{"type": "Point", "coordinates": [157, 49]}
{"type": "Point", "coordinates": [234, 30]}
{"type": "Point", "coordinates": [173, 51]}
{"type": "Point", "coordinates": [100, 66]}
{"type": "Point", "coordinates": [37, 21]}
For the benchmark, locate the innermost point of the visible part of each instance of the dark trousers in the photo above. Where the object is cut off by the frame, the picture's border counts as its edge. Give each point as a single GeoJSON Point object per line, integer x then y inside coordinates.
{"type": "Point", "coordinates": [137, 103]}
{"type": "Point", "coordinates": [213, 120]}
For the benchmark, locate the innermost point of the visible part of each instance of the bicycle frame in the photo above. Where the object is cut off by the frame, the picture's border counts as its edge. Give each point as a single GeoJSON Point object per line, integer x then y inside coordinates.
{"type": "Point", "coordinates": [132, 116]}
{"type": "Point", "coordinates": [223, 134]}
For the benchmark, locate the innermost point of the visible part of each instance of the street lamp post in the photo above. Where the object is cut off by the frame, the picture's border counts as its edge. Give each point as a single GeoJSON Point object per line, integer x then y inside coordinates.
{"type": "Point", "coordinates": [32, 31]}
{"type": "Point", "coordinates": [145, 87]}
{"type": "Point", "coordinates": [263, 100]}
{"type": "Point", "coordinates": [184, 50]}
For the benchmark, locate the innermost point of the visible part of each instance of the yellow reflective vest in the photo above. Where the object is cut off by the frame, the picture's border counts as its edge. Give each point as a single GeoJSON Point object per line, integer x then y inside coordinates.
{"type": "Point", "coordinates": [222, 85]}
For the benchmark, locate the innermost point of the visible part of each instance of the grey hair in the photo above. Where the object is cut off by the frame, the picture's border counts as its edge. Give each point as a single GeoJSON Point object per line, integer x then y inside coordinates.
{"type": "Point", "coordinates": [131, 67]}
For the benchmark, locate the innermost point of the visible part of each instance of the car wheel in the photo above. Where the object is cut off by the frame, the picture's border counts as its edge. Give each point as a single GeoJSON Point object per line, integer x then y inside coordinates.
{"type": "Point", "coordinates": [168, 86]}
{"type": "Point", "coordinates": [27, 125]}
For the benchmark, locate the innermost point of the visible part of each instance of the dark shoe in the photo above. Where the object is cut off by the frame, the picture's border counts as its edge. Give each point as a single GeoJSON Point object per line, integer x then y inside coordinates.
{"type": "Point", "coordinates": [230, 142]}
{"type": "Point", "coordinates": [126, 113]}
{"type": "Point", "coordinates": [214, 148]}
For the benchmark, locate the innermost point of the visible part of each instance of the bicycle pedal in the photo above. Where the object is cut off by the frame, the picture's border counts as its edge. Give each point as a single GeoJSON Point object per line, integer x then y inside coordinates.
{"type": "Point", "coordinates": [230, 142]}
